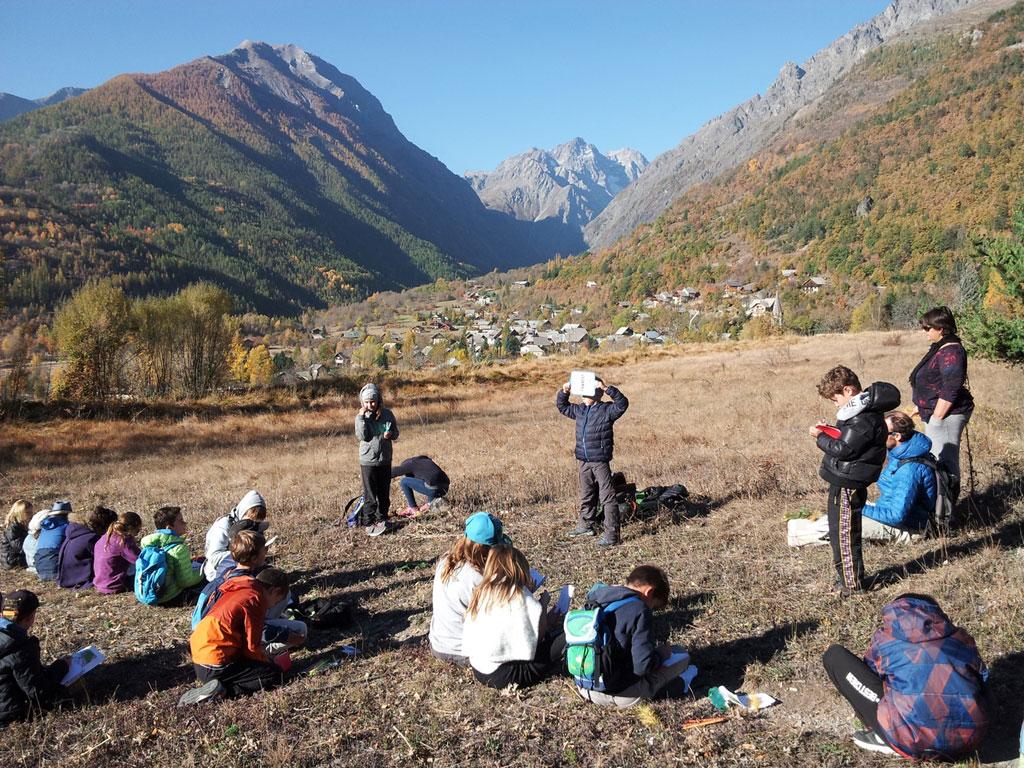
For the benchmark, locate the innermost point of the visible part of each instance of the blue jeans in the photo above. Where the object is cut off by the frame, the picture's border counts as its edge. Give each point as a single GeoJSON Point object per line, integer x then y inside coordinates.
{"type": "Point", "coordinates": [410, 484]}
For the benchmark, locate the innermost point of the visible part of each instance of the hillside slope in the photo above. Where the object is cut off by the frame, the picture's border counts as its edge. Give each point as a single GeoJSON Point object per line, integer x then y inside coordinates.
{"type": "Point", "coordinates": [265, 169]}
{"type": "Point", "coordinates": [932, 166]}
{"type": "Point", "coordinates": [732, 137]}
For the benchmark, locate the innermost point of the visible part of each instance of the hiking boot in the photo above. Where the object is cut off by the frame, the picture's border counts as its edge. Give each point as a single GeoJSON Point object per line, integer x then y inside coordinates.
{"type": "Point", "coordinates": [582, 530]}
{"type": "Point", "coordinates": [606, 542]}
{"type": "Point", "coordinates": [211, 689]}
{"type": "Point", "coordinates": [377, 529]}
{"type": "Point", "coordinates": [872, 742]}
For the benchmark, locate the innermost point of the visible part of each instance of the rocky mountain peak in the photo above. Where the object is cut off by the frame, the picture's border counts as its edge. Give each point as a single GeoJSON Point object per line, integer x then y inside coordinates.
{"type": "Point", "coordinates": [570, 183]}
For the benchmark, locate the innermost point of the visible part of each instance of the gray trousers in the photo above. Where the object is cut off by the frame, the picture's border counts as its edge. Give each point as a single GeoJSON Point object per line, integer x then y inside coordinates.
{"type": "Point", "coordinates": [596, 488]}
{"type": "Point", "coordinates": [945, 436]}
{"type": "Point", "coordinates": [644, 689]}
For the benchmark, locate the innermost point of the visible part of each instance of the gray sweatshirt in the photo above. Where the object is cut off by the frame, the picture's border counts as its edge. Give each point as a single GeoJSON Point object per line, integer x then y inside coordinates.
{"type": "Point", "coordinates": [374, 450]}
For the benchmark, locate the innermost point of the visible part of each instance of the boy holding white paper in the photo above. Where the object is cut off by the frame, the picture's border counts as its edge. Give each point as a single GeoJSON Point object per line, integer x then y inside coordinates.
{"type": "Point", "coordinates": [25, 683]}
{"type": "Point", "coordinates": [595, 443]}
{"type": "Point", "coordinates": [637, 668]}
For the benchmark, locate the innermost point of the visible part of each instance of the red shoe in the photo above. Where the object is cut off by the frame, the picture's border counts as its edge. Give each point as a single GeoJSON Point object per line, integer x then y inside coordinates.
{"type": "Point", "coordinates": [424, 508]}
{"type": "Point", "coordinates": [409, 512]}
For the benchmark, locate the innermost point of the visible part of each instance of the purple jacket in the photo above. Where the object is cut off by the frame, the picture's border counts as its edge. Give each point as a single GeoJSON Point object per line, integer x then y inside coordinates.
{"type": "Point", "coordinates": [114, 564]}
{"type": "Point", "coordinates": [933, 700]}
{"type": "Point", "coordinates": [74, 563]}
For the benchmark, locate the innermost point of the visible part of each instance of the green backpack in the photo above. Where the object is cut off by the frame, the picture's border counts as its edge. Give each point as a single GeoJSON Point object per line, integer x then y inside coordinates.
{"type": "Point", "coordinates": [587, 646]}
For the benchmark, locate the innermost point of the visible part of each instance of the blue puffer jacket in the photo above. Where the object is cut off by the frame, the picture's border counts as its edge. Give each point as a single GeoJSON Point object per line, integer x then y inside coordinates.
{"type": "Point", "coordinates": [907, 488]}
{"type": "Point", "coordinates": [51, 536]}
{"type": "Point", "coordinates": [594, 438]}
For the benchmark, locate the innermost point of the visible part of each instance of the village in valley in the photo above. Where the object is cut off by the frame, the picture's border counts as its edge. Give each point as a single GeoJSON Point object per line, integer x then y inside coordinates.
{"type": "Point", "coordinates": [480, 324]}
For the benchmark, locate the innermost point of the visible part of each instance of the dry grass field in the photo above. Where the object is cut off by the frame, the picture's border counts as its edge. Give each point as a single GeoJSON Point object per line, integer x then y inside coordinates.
{"type": "Point", "coordinates": [728, 421]}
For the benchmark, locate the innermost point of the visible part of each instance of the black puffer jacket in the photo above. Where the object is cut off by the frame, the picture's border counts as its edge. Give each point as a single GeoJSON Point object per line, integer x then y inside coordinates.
{"type": "Point", "coordinates": [594, 438]}
{"type": "Point", "coordinates": [24, 682]}
{"type": "Point", "coordinates": [11, 544]}
{"type": "Point", "coordinates": [855, 458]}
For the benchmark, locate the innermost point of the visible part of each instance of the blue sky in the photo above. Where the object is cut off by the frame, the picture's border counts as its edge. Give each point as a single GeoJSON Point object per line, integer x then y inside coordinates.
{"type": "Point", "coordinates": [469, 81]}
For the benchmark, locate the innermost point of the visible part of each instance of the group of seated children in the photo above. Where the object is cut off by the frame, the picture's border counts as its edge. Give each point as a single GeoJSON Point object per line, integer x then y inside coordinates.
{"type": "Point", "coordinates": [98, 549]}
{"type": "Point", "coordinates": [486, 616]}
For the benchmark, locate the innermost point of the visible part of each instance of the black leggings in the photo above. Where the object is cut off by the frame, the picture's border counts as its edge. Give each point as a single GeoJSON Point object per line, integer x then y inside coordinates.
{"type": "Point", "coordinates": [376, 494]}
{"type": "Point", "coordinates": [856, 682]}
{"type": "Point", "coordinates": [546, 661]}
{"type": "Point", "coordinates": [241, 677]}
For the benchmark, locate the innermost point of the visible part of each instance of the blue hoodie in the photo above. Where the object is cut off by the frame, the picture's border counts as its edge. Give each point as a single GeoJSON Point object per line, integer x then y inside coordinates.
{"type": "Point", "coordinates": [907, 488]}
{"type": "Point", "coordinates": [51, 536]}
{"type": "Point", "coordinates": [635, 654]}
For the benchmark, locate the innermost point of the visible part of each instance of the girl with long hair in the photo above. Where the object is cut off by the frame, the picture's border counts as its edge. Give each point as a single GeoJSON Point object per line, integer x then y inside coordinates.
{"type": "Point", "coordinates": [12, 542]}
{"type": "Point", "coordinates": [115, 553]}
{"type": "Point", "coordinates": [510, 636]}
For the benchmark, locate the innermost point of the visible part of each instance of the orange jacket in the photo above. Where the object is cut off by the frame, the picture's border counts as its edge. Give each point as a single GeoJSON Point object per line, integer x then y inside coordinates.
{"type": "Point", "coordinates": [233, 628]}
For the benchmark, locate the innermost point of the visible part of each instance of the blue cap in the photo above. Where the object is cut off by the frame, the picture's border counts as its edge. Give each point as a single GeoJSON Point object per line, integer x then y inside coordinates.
{"type": "Point", "coordinates": [61, 506]}
{"type": "Point", "coordinates": [485, 528]}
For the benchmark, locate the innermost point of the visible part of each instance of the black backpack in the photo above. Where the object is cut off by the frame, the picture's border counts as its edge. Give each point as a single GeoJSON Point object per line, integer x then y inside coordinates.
{"type": "Point", "coordinates": [947, 490]}
{"type": "Point", "coordinates": [326, 612]}
{"type": "Point", "coordinates": [655, 498]}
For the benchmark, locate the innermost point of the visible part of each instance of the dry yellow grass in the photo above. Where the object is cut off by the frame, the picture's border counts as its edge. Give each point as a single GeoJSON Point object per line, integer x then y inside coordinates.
{"type": "Point", "coordinates": [728, 421]}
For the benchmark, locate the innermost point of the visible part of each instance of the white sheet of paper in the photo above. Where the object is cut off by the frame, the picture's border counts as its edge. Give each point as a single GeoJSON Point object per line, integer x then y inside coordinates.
{"type": "Point", "coordinates": [564, 598]}
{"type": "Point", "coordinates": [582, 383]}
{"type": "Point", "coordinates": [538, 578]}
{"type": "Point", "coordinates": [82, 661]}
{"type": "Point", "coordinates": [271, 540]}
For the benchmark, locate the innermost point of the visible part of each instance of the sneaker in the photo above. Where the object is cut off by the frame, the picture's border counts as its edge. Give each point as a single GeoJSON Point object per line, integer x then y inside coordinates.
{"type": "Point", "coordinates": [582, 530]}
{"type": "Point", "coordinates": [408, 512]}
{"type": "Point", "coordinates": [424, 508]}
{"type": "Point", "coordinates": [211, 689]}
{"type": "Point", "coordinates": [872, 742]}
{"type": "Point", "coordinates": [273, 649]}
{"type": "Point", "coordinates": [606, 542]}
{"type": "Point", "coordinates": [377, 529]}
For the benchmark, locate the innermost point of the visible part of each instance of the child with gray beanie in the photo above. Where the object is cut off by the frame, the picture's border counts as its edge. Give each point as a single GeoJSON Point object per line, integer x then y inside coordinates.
{"type": "Point", "coordinates": [377, 429]}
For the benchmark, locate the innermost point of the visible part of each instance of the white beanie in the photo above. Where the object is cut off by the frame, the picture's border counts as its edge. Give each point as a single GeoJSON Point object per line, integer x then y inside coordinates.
{"type": "Point", "coordinates": [250, 500]}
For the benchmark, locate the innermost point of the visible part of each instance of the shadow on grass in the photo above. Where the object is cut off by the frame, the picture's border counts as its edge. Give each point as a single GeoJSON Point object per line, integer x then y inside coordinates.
{"type": "Point", "coordinates": [681, 613]}
{"type": "Point", "coordinates": [1006, 536]}
{"type": "Point", "coordinates": [1006, 708]}
{"type": "Point", "coordinates": [726, 663]}
{"type": "Point", "coordinates": [134, 677]}
{"type": "Point", "coordinates": [322, 579]}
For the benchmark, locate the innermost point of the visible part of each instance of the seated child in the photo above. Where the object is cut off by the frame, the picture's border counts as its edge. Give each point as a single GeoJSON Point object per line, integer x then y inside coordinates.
{"type": "Point", "coordinates": [24, 682]}
{"type": "Point", "coordinates": [184, 575]}
{"type": "Point", "coordinates": [227, 648]}
{"type": "Point", "coordinates": [51, 536]}
{"type": "Point", "coordinates": [12, 544]}
{"type": "Point", "coordinates": [422, 475]}
{"type": "Point", "coordinates": [906, 488]}
{"type": "Point", "coordinates": [248, 559]}
{"type": "Point", "coordinates": [920, 690]}
{"type": "Point", "coordinates": [458, 574]}
{"type": "Point", "coordinates": [218, 542]}
{"type": "Point", "coordinates": [115, 553]}
{"type": "Point", "coordinates": [74, 563]}
{"type": "Point", "coordinates": [636, 669]}
{"type": "Point", "coordinates": [35, 528]}
{"type": "Point", "coordinates": [508, 634]}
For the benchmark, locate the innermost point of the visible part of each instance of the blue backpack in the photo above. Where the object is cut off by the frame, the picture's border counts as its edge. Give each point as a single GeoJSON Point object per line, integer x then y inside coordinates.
{"type": "Point", "coordinates": [151, 574]}
{"type": "Point", "coordinates": [211, 594]}
{"type": "Point", "coordinates": [588, 646]}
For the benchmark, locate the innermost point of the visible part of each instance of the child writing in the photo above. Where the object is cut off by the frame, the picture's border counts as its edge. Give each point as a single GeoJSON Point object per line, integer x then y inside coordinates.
{"type": "Point", "coordinates": [458, 573]}
{"type": "Point", "coordinates": [851, 463]}
{"type": "Point", "coordinates": [509, 635]}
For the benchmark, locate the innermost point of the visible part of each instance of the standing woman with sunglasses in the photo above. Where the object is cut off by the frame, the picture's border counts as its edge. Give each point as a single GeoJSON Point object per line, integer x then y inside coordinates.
{"type": "Point", "coordinates": [941, 397]}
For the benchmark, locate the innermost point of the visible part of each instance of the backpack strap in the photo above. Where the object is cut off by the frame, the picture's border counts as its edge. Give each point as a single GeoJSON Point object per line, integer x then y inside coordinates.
{"type": "Point", "coordinates": [614, 606]}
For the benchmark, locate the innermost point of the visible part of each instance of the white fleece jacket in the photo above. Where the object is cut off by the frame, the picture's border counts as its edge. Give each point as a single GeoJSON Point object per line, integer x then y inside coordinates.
{"type": "Point", "coordinates": [502, 633]}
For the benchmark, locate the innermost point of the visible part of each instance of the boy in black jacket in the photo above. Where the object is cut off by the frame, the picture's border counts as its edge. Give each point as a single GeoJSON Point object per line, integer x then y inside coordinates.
{"type": "Point", "coordinates": [852, 462]}
{"type": "Point", "coordinates": [595, 443]}
{"type": "Point", "coordinates": [637, 669]}
{"type": "Point", "coordinates": [24, 682]}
